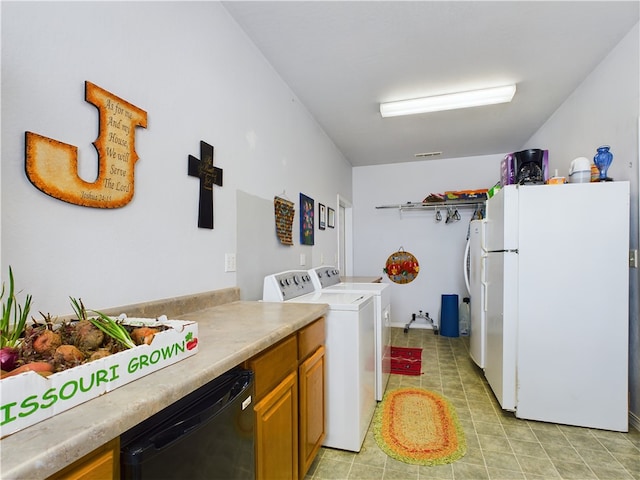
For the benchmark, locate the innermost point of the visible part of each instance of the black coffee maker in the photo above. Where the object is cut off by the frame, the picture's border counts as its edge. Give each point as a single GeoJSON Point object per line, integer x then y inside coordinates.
{"type": "Point", "coordinates": [529, 166]}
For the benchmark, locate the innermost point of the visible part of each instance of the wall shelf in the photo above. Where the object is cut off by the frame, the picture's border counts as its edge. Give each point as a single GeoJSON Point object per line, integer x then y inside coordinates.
{"type": "Point", "coordinates": [416, 206]}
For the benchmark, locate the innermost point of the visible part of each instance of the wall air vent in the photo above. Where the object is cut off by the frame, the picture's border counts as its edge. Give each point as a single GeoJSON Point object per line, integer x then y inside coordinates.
{"type": "Point", "coordinates": [427, 154]}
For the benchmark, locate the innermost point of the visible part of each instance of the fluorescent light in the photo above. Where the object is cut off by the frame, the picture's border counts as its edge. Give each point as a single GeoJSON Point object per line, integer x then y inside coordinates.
{"type": "Point", "coordinates": [427, 154]}
{"type": "Point", "coordinates": [451, 101]}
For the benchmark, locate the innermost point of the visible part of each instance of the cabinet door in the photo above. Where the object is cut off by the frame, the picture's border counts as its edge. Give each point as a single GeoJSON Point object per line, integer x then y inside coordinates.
{"type": "Point", "coordinates": [103, 464]}
{"type": "Point", "coordinates": [277, 432]}
{"type": "Point", "coordinates": [312, 412]}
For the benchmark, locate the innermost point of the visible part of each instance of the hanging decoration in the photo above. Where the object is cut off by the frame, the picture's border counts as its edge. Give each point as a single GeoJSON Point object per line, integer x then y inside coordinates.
{"type": "Point", "coordinates": [52, 166]}
{"type": "Point", "coordinates": [209, 175]}
{"type": "Point", "coordinates": [284, 212]}
{"type": "Point", "coordinates": [402, 267]}
{"type": "Point", "coordinates": [307, 224]}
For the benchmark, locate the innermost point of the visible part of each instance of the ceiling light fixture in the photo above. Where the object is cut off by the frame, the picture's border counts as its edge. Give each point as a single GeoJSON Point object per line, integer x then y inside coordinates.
{"type": "Point", "coordinates": [427, 154]}
{"type": "Point", "coordinates": [451, 101]}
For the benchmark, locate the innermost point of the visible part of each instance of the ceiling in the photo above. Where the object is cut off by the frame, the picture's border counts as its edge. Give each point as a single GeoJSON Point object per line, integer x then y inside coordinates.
{"type": "Point", "coordinates": [342, 58]}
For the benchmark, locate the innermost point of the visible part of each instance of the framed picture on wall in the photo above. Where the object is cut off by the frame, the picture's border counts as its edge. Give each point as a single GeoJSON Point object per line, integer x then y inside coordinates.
{"type": "Point", "coordinates": [306, 220]}
{"type": "Point", "coordinates": [331, 218]}
{"type": "Point", "coordinates": [322, 216]}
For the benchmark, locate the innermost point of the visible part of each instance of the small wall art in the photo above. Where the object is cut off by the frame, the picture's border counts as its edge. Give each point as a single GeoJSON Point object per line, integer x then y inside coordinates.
{"type": "Point", "coordinates": [322, 216]}
{"type": "Point", "coordinates": [402, 267]}
{"type": "Point", "coordinates": [284, 212]}
{"type": "Point", "coordinates": [306, 220]}
{"type": "Point", "coordinates": [331, 218]}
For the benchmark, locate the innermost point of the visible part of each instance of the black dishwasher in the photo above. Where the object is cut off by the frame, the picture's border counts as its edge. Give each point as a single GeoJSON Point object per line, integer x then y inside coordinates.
{"type": "Point", "coordinates": [206, 435]}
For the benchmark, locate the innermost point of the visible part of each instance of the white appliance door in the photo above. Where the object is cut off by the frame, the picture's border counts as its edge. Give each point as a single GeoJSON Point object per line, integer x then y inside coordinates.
{"type": "Point", "coordinates": [350, 376]}
{"type": "Point", "coordinates": [501, 324]}
{"type": "Point", "coordinates": [382, 303]}
{"type": "Point", "coordinates": [574, 294]}
{"type": "Point", "coordinates": [501, 228]}
{"type": "Point", "coordinates": [367, 373]}
{"type": "Point", "coordinates": [477, 334]}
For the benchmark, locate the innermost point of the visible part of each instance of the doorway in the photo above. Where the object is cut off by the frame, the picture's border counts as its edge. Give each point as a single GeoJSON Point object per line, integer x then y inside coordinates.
{"type": "Point", "coordinates": [345, 236]}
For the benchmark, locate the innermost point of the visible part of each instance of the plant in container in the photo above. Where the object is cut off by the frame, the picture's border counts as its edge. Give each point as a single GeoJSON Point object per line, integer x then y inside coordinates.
{"type": "Point", "coordinates": [12, 325]}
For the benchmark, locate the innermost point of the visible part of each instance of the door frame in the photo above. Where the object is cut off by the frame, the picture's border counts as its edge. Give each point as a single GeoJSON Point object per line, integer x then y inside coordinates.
{"type": "Point", "coordinates": [344, 224]}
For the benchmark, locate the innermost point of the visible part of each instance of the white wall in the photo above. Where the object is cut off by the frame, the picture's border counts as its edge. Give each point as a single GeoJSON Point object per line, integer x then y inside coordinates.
{"type": "Point", "coordinates": [438, 247]}
{"type": "Point", "coordinates": [604, 109]}
{"type": "Point", "coordinates": [194, 72]}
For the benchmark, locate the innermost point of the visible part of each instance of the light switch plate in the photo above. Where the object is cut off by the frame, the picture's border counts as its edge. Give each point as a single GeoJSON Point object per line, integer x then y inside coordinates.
{"type": "Point", "coordinates": [229, 262]}
{"type": "Point", "coordinates": [303, 259]}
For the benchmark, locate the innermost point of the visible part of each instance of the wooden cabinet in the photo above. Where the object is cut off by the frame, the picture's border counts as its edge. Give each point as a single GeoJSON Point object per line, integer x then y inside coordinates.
{"type": "Point", "coordinates": [101, 464]}
{"type": "Point", "coordinates": [276, 408]}
{"type": "Point", "coordinates": [289, 404]}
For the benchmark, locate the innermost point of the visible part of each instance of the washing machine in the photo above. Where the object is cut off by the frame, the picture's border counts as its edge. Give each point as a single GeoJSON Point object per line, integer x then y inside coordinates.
{"type": "Point", "coordinates": [327, 279]}
{"type": "Point", "coordinates": [349, 354]}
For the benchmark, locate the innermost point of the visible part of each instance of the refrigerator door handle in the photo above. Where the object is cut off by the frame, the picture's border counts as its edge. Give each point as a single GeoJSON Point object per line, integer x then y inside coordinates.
{"type": "Point", "coordinates": [483, 281]}
{"type": "Point", "coordinates": [465, 263]}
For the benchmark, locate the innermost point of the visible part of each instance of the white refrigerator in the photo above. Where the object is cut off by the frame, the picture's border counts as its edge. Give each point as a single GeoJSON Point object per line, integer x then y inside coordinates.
{"type": "Point", "coordinates": [556, 278]}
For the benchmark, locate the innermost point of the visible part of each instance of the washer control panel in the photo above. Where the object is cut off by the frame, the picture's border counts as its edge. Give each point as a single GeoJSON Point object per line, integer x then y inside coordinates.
{"type": "Point", "coordinates": [284, 286]}
{"type": "Point", "coordinates": [325, 276]}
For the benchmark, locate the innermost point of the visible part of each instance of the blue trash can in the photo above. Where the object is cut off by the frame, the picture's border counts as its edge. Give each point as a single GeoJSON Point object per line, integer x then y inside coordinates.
{"type": "Point", "coordinates": [449, 316]}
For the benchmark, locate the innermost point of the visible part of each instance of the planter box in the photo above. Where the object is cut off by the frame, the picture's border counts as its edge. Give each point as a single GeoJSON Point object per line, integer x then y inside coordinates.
{"type": "Point", "coordinates": [29, 398]}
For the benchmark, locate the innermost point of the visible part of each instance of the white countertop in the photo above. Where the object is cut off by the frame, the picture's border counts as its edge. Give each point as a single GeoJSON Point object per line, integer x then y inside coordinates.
{"type": "Point", "coordinates": [228, 335]}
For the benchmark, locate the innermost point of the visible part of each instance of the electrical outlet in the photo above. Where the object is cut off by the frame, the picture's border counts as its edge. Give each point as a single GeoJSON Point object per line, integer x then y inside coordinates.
{"type": "Point", "coordinates": [229, 262]}
{"type": "Point", "coordinates": [633, 258]}
{"type": "Point", "coordinates": [321, 258]}
{"type": "Point", "coordinates": [303, 259]}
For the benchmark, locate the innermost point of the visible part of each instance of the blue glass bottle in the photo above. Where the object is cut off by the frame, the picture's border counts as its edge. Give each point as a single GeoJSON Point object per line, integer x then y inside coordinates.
{"type": "Point", "coordinates": [603, 161]}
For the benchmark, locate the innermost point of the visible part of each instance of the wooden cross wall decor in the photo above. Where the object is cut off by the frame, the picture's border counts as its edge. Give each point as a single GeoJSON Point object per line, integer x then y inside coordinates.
{"type": "Point", "coordinates": [209, 176]}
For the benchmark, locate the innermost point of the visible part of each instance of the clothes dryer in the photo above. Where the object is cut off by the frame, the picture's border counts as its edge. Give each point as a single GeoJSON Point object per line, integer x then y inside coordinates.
{"type": "Point", "coordinates": [327, 279]}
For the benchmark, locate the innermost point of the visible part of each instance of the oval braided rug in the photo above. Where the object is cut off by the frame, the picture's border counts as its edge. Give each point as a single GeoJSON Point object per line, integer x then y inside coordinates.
{"type": "Point", "coordinates": [417, 426]}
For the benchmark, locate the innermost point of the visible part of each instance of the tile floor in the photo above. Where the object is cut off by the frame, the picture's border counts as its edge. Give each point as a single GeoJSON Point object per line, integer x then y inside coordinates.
{"type": "Point", "coordinates": [499, 446]}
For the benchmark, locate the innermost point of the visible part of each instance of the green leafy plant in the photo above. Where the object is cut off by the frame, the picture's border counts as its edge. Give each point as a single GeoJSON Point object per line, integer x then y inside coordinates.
{"type": "Point", "coordinates": [105, 323]}
{"type": "Point", "coordinates": [78, 308]}
{"type": "Point", "coordinates": [112, 328]}
{"type": "Point", "coordinates": [14, 315]}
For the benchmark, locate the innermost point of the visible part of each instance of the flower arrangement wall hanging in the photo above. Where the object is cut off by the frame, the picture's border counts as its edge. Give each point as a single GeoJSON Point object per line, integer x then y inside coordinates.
{"type": "Point", "coordinates": [402, 267]}
{"type": "Point", "coordinates": [52, 166]}
{"type": "Point", "coordinates": [306, 220]}
{"type": "Point", "coordinates": [284, 212]}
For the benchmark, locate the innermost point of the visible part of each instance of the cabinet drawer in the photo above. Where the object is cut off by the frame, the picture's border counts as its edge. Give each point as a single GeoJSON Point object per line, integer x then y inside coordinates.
{"type": "Point", "coordinates": [272, 366]}
{"type": "Point", "coordinates": [103, 463]}
{"type": "Point", "coordinates": [310, 338]}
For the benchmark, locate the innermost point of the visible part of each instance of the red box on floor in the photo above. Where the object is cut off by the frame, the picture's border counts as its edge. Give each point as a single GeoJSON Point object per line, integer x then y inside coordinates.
{"type": "Point", "coordinates": [406, 361]}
